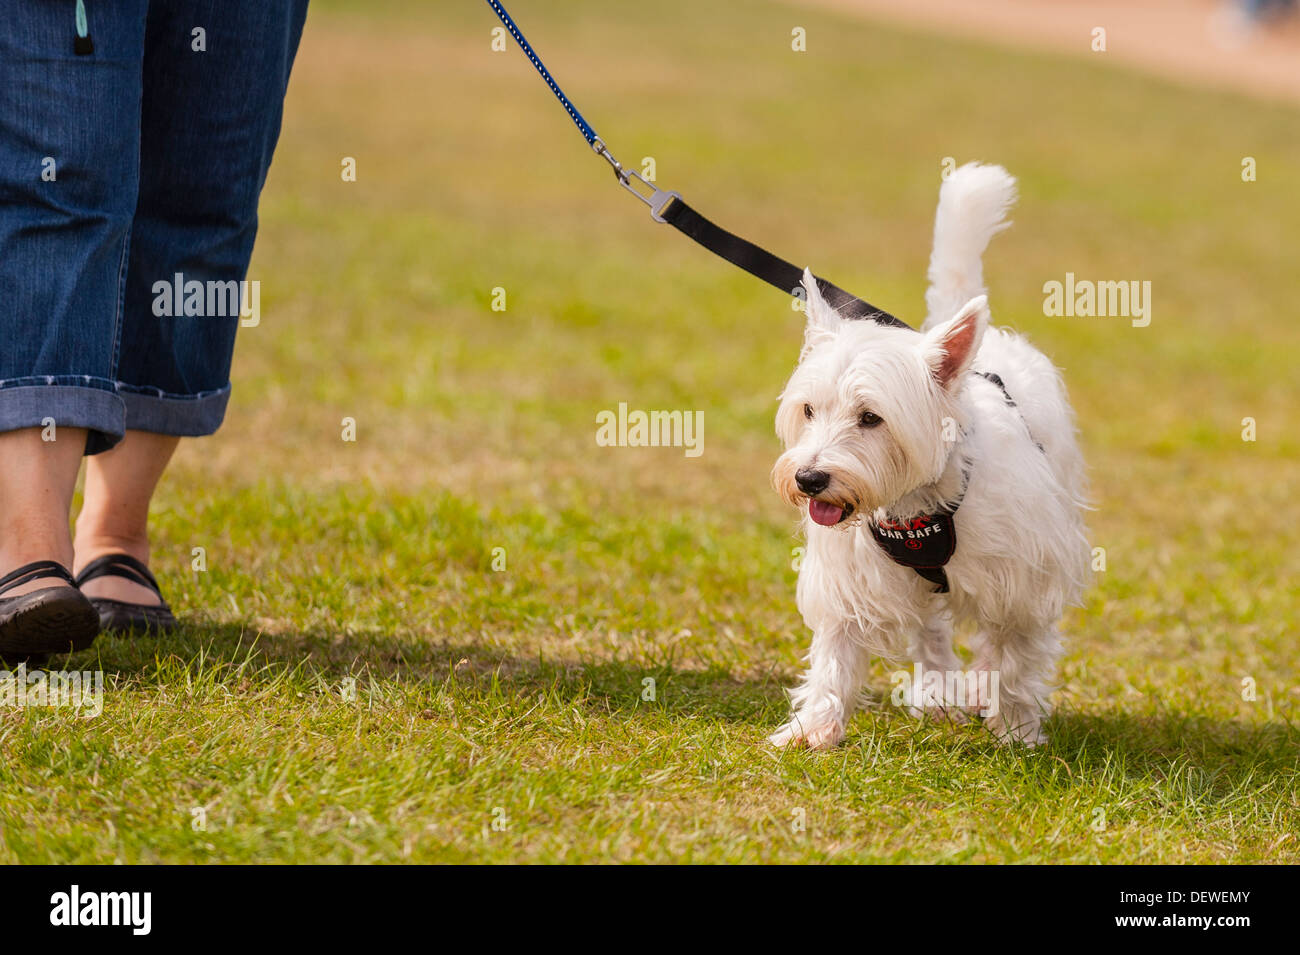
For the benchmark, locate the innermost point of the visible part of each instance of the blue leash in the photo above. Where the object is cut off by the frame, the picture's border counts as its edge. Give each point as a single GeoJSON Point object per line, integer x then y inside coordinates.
{"type": "Point", "coordinates": [584, 127]}
{"type": "Point", "coordinates": [657, 198]}
{"type": "Point", "coordinates": [669, 207]}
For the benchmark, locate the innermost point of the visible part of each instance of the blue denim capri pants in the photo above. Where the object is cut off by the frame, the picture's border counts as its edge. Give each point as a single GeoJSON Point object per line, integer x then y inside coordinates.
{"type": "Point", "coordinates": [135, 137]}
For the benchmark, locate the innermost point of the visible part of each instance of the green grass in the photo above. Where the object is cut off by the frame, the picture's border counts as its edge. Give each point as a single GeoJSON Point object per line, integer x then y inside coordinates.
{"type": "Point", "coordinates": [520, 691]}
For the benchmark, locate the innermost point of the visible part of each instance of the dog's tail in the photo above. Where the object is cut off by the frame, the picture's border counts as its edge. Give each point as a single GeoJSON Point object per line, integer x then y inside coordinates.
{"type": "Point", "coordinates": [973, 205]}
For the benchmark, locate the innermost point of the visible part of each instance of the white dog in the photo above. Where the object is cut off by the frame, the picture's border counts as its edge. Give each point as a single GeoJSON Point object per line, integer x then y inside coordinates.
{"type": "Point", "coordinates": [940, 481]}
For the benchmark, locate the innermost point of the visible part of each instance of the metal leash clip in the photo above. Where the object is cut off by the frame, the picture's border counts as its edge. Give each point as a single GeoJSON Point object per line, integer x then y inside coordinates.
{"type": "Point", "coordinates": [658, 200]}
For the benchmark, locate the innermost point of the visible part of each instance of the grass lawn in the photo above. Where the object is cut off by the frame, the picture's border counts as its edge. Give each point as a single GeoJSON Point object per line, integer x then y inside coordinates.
{"type": "Point", "coordinates": [359, 680]}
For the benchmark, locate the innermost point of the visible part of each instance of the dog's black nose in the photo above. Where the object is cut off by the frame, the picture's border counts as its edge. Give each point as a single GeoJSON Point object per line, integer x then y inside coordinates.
{"type": "Point", "coordinates": [812, 482]}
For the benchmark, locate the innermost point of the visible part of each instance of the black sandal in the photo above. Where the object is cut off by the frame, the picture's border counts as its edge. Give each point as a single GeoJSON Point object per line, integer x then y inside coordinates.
{"type": "Point", "coordinates": [51, 620]}
{"type": "Point", "coordinates": [119, 615]}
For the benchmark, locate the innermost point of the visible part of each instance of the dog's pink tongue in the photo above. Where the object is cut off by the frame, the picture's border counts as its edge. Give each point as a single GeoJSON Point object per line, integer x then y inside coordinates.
{"type": "Point", "coordinates": [825, 514]}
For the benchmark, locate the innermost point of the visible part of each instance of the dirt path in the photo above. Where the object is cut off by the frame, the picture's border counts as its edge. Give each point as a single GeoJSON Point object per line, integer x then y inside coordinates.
{"type": "Point", "coordinates": [1183, 40]}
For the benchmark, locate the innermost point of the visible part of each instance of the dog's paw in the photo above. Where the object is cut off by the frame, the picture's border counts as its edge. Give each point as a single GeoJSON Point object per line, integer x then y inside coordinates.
{"type": "Point", "coordinates": [795, 733]}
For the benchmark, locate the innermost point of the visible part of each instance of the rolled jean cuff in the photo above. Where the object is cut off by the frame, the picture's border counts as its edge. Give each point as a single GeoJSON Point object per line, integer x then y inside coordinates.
{"type": "Point", "coordinates": [185, 416]}
{"type": "Point", "coordinates": [92, 404]}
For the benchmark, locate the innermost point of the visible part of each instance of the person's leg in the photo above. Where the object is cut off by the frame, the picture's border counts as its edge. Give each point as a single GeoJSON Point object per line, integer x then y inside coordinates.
{"type": "Point", "coordinates": [214, 80]}
{"type": "Point", "coordinates": [37, 478]}
{"type": "Point", "coordinates": [69, 140]}
{"type": "Point", "coordinates": [114, 517]}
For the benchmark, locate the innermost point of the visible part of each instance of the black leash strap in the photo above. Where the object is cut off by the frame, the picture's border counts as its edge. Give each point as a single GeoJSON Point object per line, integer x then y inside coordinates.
{"type": "Point", "coordinates": [763, 264]}
{"type": "Point", "coordinates": [670, 207]}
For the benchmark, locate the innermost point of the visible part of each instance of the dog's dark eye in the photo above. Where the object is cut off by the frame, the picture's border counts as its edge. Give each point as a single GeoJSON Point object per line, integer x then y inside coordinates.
{"type": "Point", "coordinates": [807, 412]}
{"type": "Point", "coordinates": [869, 419]}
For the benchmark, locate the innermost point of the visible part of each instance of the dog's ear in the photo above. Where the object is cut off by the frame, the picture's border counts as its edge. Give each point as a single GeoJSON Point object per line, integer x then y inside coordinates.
{"type": "Point", "coordinates": [951, 347]}
{"type": "Point", "coordinates": [823, 321]}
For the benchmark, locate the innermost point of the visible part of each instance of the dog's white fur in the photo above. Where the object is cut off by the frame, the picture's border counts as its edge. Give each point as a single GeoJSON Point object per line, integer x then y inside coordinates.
{"type": "Point", "coordinates": [1022, 555]}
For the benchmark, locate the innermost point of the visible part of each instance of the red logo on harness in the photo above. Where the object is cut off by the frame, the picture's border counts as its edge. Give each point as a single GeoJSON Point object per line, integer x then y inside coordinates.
{"type": "Point", "coordinates": [912, 544]}
{"type": "Point", "coordinates": [911, 524]}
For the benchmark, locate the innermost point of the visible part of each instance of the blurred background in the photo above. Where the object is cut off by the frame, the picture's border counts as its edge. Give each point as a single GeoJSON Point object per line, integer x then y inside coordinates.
{"type": "Point", "coordinates": [1248, 45]}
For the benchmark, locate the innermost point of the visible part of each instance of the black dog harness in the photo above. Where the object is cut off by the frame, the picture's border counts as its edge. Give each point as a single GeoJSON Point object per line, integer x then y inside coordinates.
{"type": "Point", "coordinates": [926, 543]}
